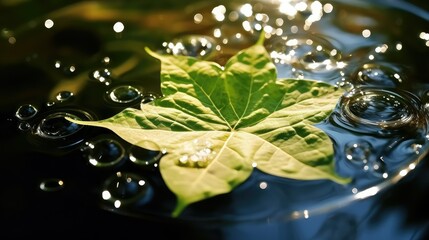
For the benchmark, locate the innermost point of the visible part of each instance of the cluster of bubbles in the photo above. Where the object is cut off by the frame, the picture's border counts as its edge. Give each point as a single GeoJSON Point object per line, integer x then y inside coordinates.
{"type": "Point", "coordinates": [197, 153]}
{"type": "Point", "coordinates": [47, 126]}
{"type": "Point", "coordinates": [122, 189]}
{"type": "Point", "coordinates": [51, 126]}
{"type": "Point", "coordinates": [380, 111]}
{"type": "Point", "coordinates": [306, 57]}
{"type": "Point", "coordinates": [199, 46]}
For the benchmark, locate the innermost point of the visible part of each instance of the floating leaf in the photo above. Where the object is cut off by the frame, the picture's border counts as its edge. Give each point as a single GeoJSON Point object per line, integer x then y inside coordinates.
{"type": "Point", "coordinates": [219, 122]}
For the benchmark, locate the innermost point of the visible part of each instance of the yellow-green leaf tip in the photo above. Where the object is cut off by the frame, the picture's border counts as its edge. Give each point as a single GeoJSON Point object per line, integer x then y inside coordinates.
{"type": "Point", "coordinates": [152, 53]}
{"type": "Point", "coordinates": [261, 39]}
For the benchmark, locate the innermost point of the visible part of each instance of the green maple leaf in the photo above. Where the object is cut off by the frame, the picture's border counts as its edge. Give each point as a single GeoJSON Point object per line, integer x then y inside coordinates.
{"type": "Point", "coordinates": [218, 123]}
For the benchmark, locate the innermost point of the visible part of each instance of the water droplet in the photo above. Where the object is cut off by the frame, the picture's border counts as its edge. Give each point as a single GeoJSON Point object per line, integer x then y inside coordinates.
{"type": "Point", "coordinates": [148, 155]}
{"type": "Point", "coordinates": [125, 188]}
{"type": "Point", "coordinates": [378, 74]}
{"type": "Point", "coordinates": [103, 152]}
{"type": "Point", "coordinates": [55, 126]}
{"type": "Point", "coordinates": [149, 97]}
{"type": "Point", "coordinates": [197, 154]}
{"type": "Point", "coordinates": [24, 126]}
{"type": "Point", "coordinates": [50, 104]}
{"type": "Point", "coordinates": [26, 112]}
{"type": "Point", "coordinates": [64, 96]}
{"type": "Point", "coordinates": [124, 94]}
{"type": "Point", "coordinates": [358, 152]}
{"type": "Point", "coordinates": [51, 185]}
{"type": "Point", "coordinates": [102, 75]}
{"type": "Point", "coordinates": [198, 46]}
{"type": "Point", "coordinates": [380, 111]}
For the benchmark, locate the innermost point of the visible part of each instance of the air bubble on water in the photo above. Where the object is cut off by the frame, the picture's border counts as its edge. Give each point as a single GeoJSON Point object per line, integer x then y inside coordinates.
{"type": "Point", "coordinates": [198, 46]}
{"type": "Point", "coordinates": [103, 152]}
{"type": "Point", "coordinates": [26, 111]}
{"type": "Point", "coordinates": [24, 126]}
{"type": "Point", "coordinates": [124, 94]}
{"type": "Point", "coordinates": [196, 154]}
{"type": "Point", "coordinates": [55, 126]}
{"type": "Point", "coordinates": [358, 152]}
{"type": "Point", "coordinates": [378, 74]}
{"type": "Point", "coordinates": [125, 188]}
{"type": "Point", "coordinates": [102, 75]}
{"type": "Point", "coordinates": [149, 97]}
{"type": "Point", "coordinates": [54, 132]}
{"type": "Point", "coordinates": [146, 153]}
{"type": "Point", "coordinates": [51, 185]}
{"type": "Point", "coordinates": [64, 96]}
{"type": "Point", "coordinates": [50, 104]}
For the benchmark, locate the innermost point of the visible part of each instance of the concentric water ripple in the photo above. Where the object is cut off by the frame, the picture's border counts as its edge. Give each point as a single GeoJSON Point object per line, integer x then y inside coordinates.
{"type": "Point", "coordinates": [54, 130]}
{"type": "Point", "coordinates": [379, 74]}
{"type": "Point", "coordinates": [380, 111]}
{"type": "Point", "coordinates": [306, 56]}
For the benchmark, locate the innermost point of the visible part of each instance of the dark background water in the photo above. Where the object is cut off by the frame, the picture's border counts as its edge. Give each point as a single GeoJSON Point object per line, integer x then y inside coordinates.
{"type": "Point", "coordinates": [25, 211]}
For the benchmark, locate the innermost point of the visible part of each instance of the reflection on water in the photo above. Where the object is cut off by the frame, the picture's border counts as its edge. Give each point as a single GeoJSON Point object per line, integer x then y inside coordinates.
{"type": "Point", "coordinates": [86, 60]}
